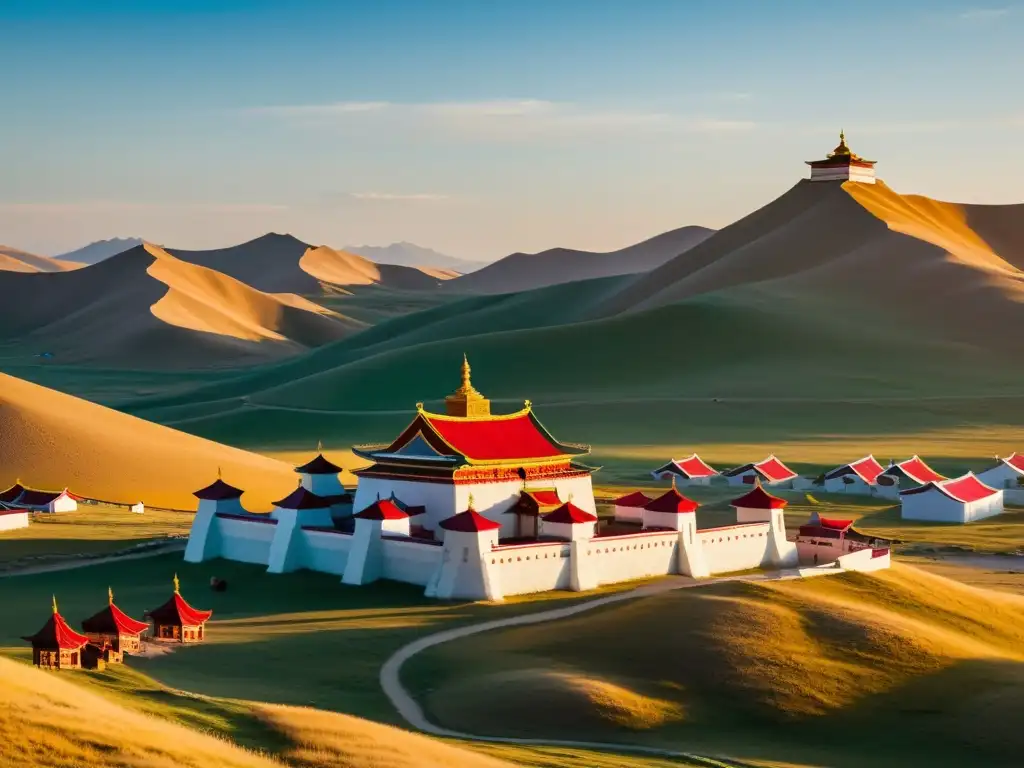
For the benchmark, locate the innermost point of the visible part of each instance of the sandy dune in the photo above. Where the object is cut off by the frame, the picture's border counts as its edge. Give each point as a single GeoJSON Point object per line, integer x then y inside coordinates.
{"type": "Point", "coordinates": [523, 271]}
{"type": "Point", "coordinates": [950, 270]}
{"type": "Point", "coordinates": [282, 263]}
{"type": "Point", "coordinates": [144, 308]}
{"type": "Point", "coordinates": [15, 260]}
{"type": "Point", "coordinates": [53, 440]}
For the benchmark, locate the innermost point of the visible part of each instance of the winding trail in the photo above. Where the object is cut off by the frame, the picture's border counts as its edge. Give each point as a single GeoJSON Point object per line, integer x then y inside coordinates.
{"type": "Point", "coordinates": [73, 563]}
{"type": "Point", "coordinates": [412, 712]}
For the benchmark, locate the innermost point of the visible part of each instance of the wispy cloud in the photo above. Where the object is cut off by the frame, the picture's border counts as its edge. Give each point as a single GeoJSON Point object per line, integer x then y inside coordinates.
{"type": "Point", "coordinates": [414, 197]}
{"type": "Point", "coordinates": [500, 119]}
{"type": "Point", "coordinates": [983, 14]}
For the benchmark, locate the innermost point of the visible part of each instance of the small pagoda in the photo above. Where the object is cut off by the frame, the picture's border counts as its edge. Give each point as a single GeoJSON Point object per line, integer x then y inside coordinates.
{"type": "Point", "coordinates": [178, 621]}
{"type": "Point", "coordinates": [57, 645]}
{"type": "Point", "coordinates": [115, 630]}
{"type": "Point", "coordinates": [842, 164]}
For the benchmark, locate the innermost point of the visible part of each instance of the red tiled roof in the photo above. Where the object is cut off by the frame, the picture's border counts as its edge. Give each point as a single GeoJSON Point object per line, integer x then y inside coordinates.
{"type": "Point", "coordinates": [634, 499]}
{"type": "Point", "coordinates": [113, 621]}
{"type": "Point", "coordinates": [964, 489]}
{"type": "Point", "coordinates": [758, 498]}
{"type": "Point", "coordinates": [57, 635]}
{"type": "Point", "coordinates": [774, 470]}
{"type": "Point", "coordinates": [546, 498]}
{"type": "Point", "coordinates": [918, 471]}
{"type": "Point", "coordinates": [695, 466]}
{"type": "Point", "coordinates": [469, 521]}
{"type": "Point", "coordinates": [218, 490]}
{"type": "Point", "coordinates": [672, 501]}
{"type": "Point", "coordinates": [867, 469]}
{"type": "Point", "coordinates": [569, 514]}
{"type": "Point", "coordinates": [12, 493]}
{"type": "Point", "coordinates": [319, 466]}
{"type": "Point", "coordinates": [834, 524]}
{"type": "Point", "coordinates": [177, 611]}
{"type": "Point", "coordinates": [300, 498]}
{"type": "Point", "coordinates": [382, 509]}
{"type": "Point", "coordinates": [1014, 460]}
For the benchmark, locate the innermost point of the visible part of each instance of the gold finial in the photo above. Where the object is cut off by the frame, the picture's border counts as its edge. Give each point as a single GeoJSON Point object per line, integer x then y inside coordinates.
{"type": "Point", "coordinates": [842, 136]}
{"type": "Point", "coordinates": [220, 474]}
{"type": "Point", "coordinates": [177, 585]}
{"type": "Point", "coordinates": [419, 407]}
{"type": "Point", "coordinates": [319, 446]}
{"type": "Point", "coordinates": [54, 605]}
{"type": "Point", "coordinates": [527, 404]}
{"type": "Point", "coordinates": [470, 504]}
{"type": "Point", "coordinates": [673, 482]}
{"type": "Point", "coordinates": [110, 595]}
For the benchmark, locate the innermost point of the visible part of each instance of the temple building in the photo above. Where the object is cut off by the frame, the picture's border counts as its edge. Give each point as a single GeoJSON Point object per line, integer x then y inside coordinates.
{"type": "Point", "coordinates": [770, 471]}
{"type": "Point", "coordinates": [20, 497]}
{"type": "Point", "coordinates": [856, 477]}
{"type": "Point", "coordinates": [842, 164]}
{"type": "Point", "coordinates": [177, 620]}
{"type": "Point", "coordinates": [963, 499]}
{"type": "Point", "coordinates": [440, 459]}
{"type": "Point", "coordinates": [115, 630]}
{"type": "Point", "coordinates": [901, 475]}
{"type": "Point", "coordinates": [57, 645]}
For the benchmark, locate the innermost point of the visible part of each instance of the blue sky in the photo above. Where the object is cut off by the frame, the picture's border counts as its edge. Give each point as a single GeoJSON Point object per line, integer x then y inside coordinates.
{"type": "Point", "coordinates": [481, 128]}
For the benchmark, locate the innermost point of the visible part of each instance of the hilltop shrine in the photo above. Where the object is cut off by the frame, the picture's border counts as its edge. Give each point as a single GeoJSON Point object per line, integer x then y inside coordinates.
{"type": "Point", "coordinates": [842, 164]}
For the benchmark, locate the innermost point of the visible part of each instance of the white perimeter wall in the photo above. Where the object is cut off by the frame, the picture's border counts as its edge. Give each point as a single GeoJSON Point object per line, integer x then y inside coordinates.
{"type": "Point", "coordinates": [410, 561]}
{"type": "Point", "coordinates": [531, 567]}
{"type": "Point", "coordinates": [12, 521]}
{"type": "Point", "coordinates": [247, 542]}
{"type": "Point", "coordinates": [634, 556]}
{"type": "Point", "coordinates": [629, 514]}
{"type": "Point", "coordinates": [325, 551]}
{"type": "Point", "coordinates": [736, 548]}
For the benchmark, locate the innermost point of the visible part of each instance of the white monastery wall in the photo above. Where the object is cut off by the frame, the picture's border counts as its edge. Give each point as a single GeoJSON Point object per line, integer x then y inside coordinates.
{"type": "Point", "coordinates": [410, 561]}
{"type": "Point", "coordinates": [326, 551]}
{"type": "Point", "coordinates": [243, 540]}
{"type": "Point", "coordinates": [629, 514]}
{"type": "Point", "coordinates": [437, 498]}
{"type": "Point", "coordinates": [633, 556]}
{"type": "Point", "coordinates": [736, 547]}
{"type": "Point", "coordinates": [10, 521]}
{"type": "Point", "coordinates": [526, 568]}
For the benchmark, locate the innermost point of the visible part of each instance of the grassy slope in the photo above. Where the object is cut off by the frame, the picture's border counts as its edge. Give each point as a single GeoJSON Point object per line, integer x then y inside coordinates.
{"type": "Point", "coordinates": [772, 671]}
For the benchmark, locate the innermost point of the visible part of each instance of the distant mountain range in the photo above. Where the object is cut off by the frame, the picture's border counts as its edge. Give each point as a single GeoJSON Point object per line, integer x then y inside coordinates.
{"type": "Point", "coordinates": [525, 271]}
{"type": "Point", "coordinates": [101, 249]}
{"type": "Point", "coordinates": [412, 255]}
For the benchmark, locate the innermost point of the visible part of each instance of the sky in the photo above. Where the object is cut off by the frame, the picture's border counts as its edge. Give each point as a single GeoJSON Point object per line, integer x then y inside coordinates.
{"type": "Point", "coordinates": [480, 128]}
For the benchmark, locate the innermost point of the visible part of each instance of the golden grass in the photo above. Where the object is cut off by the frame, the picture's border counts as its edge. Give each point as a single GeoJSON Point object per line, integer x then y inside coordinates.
{"type": "Point", "coordinates": [328, 740]}
{"type": "Point", "coordinates": [787, 658]}
{"type": "Point", "coordinates": [45, 720]}
{"type": "Point", "coordinates": [975, 575]}
{"type": "Point", "coordinates": [93, 529]}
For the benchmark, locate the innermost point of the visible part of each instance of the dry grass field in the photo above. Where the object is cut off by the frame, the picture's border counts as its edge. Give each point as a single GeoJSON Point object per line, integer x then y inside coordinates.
{"type": "Point", "coordinates": [758, 671]}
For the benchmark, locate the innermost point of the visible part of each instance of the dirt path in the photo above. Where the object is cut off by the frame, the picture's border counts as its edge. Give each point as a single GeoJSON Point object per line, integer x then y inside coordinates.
{"type": "Point", "coordinates": [82, 562]}
{"type": "Point", "coordinates": [412, 712]}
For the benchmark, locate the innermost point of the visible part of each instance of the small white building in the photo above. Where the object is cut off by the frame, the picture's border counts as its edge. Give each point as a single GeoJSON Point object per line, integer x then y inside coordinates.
{"type": "Point", "coordinates": [665, 511]}
{"type": "Point", "coordinates": [692, 470]}
{"type": "Point", "coordinates": [569, 523]}
{"type": "Point", "coordinates": [856, 477]}
{"type": "Point", "coordinates": [47, 501]}
{"type": "Point", "coordinates": [1007, 474]}
{"type": "Point", "coordinates": [841, 164]}
{"type": "Point", "coordinates": [769, 471]}
{"type": "Point", "coordinates": [902, 475]}
{"type": "Point", "coordinates": [630, 508]}
{"type": "Point", "coordinates": [12, 518]}
{"type": "Point", "coordinates": [960, 500]}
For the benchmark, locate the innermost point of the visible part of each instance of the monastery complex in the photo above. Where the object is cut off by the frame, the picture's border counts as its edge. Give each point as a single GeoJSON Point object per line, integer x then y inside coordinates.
{"type": "Point", "coordinates": [475, 505]}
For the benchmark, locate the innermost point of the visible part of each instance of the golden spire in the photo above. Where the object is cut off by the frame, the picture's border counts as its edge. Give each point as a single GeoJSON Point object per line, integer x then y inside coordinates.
{"type": "Point", "coordinates": [470, 503]}
{"type": "Point", "coordinates": [220, 474]}
{"type": "Point", "coordinates": [110, 595]}
{"type": "Point", "coordinates": [466, 401]}
{"type": "Point", "coordinates": [320, 446]}
{"type": "Point", "coordinates": [177, 585]}
{"type": "Point", "coordinates": [54, 605]}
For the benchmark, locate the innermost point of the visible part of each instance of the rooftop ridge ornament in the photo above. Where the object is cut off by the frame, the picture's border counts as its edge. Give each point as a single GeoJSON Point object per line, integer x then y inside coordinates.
{"type": "Point", "coordinates": [469, 502]}
{"type": "Point", "coordinates": [466, 401]}
{"type": "Point", "coordinates": [177, 585]}
{"type": "Point", "coordinates": [320, 446]}
{"type": "Point", "coordinates": [54, 605]}
{"type": "Point", "coordinates": [110, 596]}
